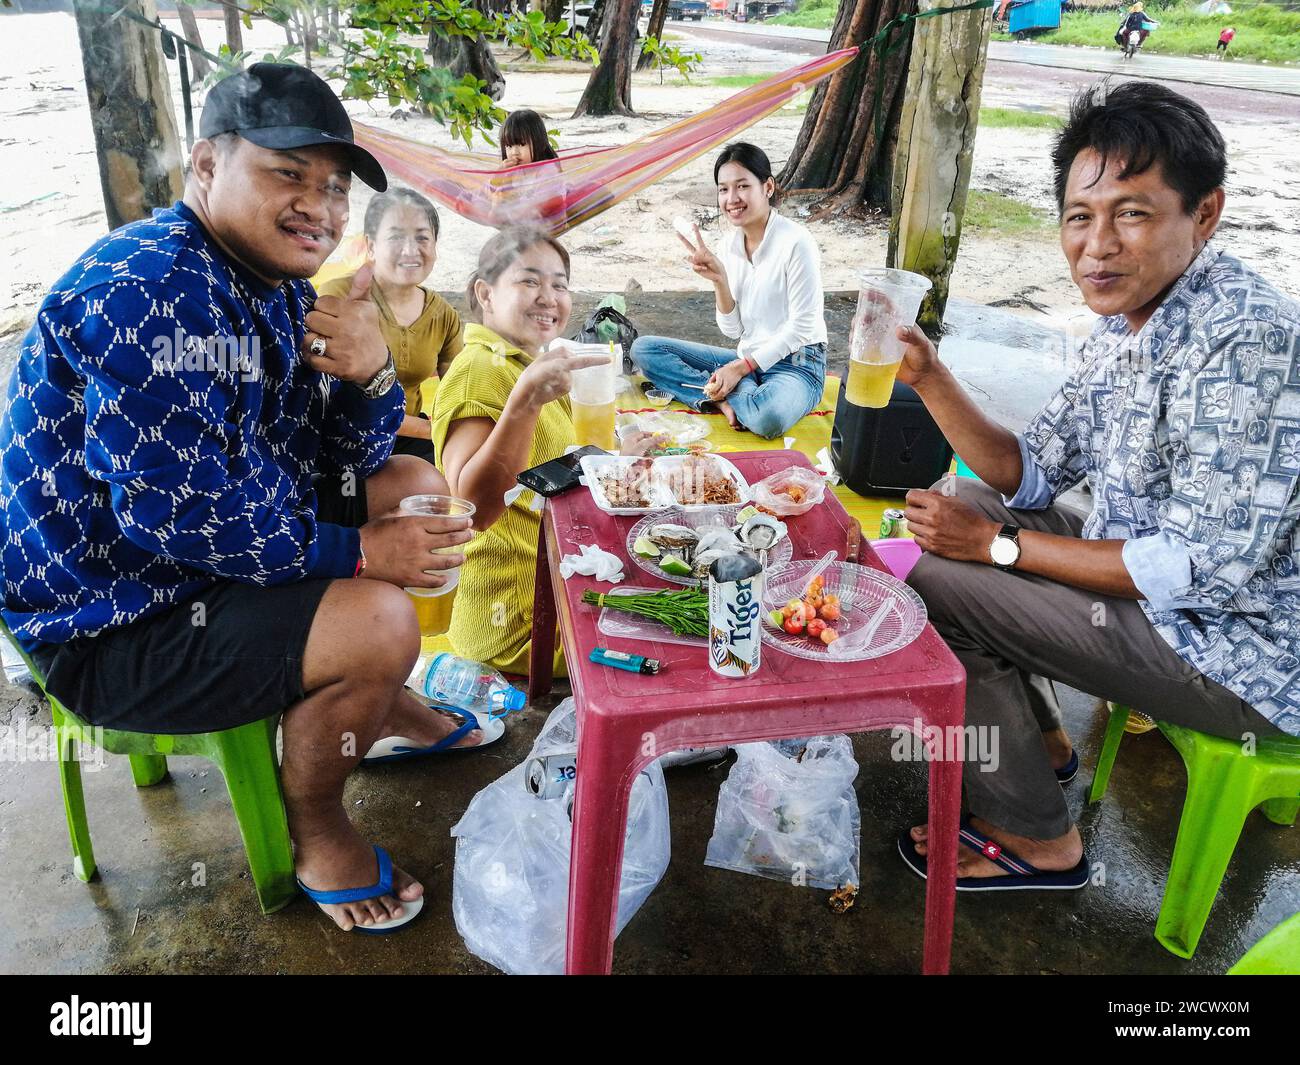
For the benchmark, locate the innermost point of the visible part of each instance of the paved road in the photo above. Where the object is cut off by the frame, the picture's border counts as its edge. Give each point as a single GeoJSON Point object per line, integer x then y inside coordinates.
{"type": "Point", "coordinates": [1255, 76]}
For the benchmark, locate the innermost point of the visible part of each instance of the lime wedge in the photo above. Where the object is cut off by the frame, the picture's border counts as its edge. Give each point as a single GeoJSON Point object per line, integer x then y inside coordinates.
{"type": "Point", "coordinates": [674, 565]}
{"type": "Point", "coordinates": [645, 547]}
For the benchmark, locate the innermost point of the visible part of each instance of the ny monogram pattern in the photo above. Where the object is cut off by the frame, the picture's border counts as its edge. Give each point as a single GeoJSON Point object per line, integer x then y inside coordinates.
{"type": "Point", "coordinates": [162, 434]}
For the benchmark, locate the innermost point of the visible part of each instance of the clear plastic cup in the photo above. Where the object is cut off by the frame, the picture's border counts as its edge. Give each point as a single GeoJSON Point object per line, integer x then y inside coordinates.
{"type": "Point", "coordinates": [887, 299]}
{"type": "Point", "coordinates": [591, 396]}
{"type": "Point", "coordinates": [439, 507]}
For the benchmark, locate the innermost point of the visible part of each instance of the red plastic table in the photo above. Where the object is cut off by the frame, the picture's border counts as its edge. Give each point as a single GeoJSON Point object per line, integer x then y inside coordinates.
{"type": "Point", "coordinates": [626, 720]}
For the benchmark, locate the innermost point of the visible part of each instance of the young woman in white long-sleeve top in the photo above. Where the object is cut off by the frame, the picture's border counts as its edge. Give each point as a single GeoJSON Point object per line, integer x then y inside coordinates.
{"type": "Point", "coordinates": [767, 280]}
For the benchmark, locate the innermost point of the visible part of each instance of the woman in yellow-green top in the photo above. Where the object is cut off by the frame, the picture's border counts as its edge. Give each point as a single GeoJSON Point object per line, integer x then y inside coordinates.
{"type": "Point", "coordinates": [503, 408]}
{"type": "Point", "coordinates": [420, 327]}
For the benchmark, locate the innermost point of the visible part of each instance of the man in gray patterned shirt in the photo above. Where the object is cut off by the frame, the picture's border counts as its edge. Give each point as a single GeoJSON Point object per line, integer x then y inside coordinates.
{"type": "Point", "coordinates": [1179, 594]}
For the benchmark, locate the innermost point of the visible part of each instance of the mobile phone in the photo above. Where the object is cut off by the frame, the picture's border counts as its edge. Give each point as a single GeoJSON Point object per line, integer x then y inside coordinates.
{"type": "Point", "coordinates": [558, 475]}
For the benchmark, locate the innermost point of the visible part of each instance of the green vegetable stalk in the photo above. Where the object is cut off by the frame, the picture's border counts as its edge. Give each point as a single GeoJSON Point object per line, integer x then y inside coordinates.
{"type": "Point", "coordinates": [684, 610]}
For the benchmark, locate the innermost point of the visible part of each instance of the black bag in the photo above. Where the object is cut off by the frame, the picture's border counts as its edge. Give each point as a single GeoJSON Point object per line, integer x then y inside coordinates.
{"type": "Point", "coordinates": [889, 450]}
{"type": "Point", "coordinates": [605, 325]}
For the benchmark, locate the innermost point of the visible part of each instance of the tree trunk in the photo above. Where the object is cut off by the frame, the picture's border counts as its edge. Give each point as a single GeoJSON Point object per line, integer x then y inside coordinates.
{"type": "Point", "coordinates": [130, 110]}
{"type": "Point", "coordinates": [932, 167]}
{"type": "Point", "coordinates": [595, 21]}
{"type": "Point", "coordinates": [442, 50]}
{"type": "Point", "coordinates": [842, 150]}
{"type": "Point", "coordinates": [234, 28]}
{"type": "Point", "coordinates": [609, 89]}
{"type": "Point", "coordinates": [334, 17]}
{"type": "Point", "coordinates": [190, 27]}
{"type": "Point", "coordinates": [289, 38]}
{"type": "Point", "coordinates": [475, 57]}
{"type": "Point", "coordinates": [554, 9]}
{"type": "Point", "coordinates": [310, 43]}
{"type": "Point", "coordinates": [658, 16]}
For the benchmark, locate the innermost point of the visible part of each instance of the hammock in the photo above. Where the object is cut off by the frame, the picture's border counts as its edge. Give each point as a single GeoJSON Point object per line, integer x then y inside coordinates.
{"type": "Point", "coordinates": [559, 194]}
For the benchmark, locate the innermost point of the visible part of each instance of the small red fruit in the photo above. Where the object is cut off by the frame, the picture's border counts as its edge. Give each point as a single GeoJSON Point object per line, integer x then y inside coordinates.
{"type": "Point", "coordinates": [829, 636]}
{"type": "Point", "coordinates": [829, 612]}
{"type": "Point", "coordinates": [794, 625]}
{"type": "Point", "coordinates": [815, 628]}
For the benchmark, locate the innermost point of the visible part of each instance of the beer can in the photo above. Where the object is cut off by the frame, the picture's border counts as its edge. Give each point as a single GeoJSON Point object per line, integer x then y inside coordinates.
{"type": "Point", "coordinates": [892, 524]}
{"type": "Point", "coordinates": [551, 775]}
{"type": "Point", "coordinates": [735, 610]}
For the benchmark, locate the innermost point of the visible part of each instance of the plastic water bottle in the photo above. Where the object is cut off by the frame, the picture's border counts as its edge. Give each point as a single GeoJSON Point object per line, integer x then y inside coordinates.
{"type": "Point", "coordinates": [458, 682]}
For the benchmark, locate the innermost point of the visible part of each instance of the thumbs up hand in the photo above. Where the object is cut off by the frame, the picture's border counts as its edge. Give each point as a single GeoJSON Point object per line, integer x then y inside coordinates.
{"type": "Point", "coordinates": [343, 338]}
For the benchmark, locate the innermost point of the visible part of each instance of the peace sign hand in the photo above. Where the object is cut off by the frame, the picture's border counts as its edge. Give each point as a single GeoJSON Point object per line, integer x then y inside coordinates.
{"type": "Point", "coordinates": [703, 261]}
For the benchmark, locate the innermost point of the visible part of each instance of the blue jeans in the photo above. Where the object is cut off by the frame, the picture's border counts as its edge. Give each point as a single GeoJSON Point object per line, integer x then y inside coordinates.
{"type": "Point", "coordinates": [766, 403]}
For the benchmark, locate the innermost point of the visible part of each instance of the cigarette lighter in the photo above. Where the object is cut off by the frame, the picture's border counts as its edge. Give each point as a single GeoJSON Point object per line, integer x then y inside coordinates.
{"type": "Point", "coordinates": [623, 660]}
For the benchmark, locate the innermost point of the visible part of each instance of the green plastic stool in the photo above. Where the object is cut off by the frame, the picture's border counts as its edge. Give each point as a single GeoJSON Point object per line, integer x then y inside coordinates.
{"type": "Point", "coordinates": [1223, 786]}
{"type": "Point", "coordinates": [1277, 954]}
{"type": "Point", "coordinates": [245, 756]}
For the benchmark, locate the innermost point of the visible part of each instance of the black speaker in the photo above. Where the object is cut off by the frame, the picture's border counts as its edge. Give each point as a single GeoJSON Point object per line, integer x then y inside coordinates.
{"type": "Point", "coordinates": [889, 450]}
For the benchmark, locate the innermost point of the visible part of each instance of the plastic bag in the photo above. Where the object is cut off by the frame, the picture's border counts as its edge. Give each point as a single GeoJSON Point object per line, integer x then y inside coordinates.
{"type": "Point", "coordinates": [795, 490]}
{"type": "Point", "coordinates": [608, 324]}
{"type": "Point", "coordinates": [788, 811]}
{"type": "Point", "coordinates": [510, 888]}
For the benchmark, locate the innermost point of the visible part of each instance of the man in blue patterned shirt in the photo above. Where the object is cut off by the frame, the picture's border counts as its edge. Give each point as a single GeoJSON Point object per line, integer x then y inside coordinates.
{"type": "Point", "coordinates": [195, 464]}
{"type": "Point", "coordinates": [1179, 594]}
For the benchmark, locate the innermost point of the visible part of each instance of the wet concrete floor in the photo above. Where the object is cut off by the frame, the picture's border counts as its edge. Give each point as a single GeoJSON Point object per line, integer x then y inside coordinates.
{"type": "Point", "coordinates": [144, 913]}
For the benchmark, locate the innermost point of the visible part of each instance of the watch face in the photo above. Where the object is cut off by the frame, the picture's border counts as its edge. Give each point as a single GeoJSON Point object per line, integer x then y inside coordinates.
{"type": "Point", "coordinates": [1005, 551]}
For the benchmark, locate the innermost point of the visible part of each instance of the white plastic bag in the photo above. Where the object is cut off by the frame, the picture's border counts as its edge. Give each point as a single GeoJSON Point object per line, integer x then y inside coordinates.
{"type": "Point", "coordinates": [787, 811]}
{"type": "Point", "coordinates": [510, 889]}
{"type": "Point", "coordinates": [795, 490]}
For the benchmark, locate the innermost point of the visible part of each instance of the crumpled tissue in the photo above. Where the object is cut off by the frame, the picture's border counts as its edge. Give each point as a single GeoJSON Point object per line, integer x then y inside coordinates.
{"type": "Point", "coordinates": [592, 562]}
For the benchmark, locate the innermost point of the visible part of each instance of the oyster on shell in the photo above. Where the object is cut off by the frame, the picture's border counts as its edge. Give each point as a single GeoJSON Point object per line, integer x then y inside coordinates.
{"type": "Point", "coordinates": [673, 537]}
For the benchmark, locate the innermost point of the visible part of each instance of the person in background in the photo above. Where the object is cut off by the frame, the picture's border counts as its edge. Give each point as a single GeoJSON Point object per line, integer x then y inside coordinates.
{"type": "Point", "coordinates": [524, 140]}
{"type": "Point", "coordinates": [768, 287]}
{"type": "Point", "coordinates": [421, 329]}
{"type": "Point", "coordinates": [1225, 39]}
{"type": "Point", "coordinates": [504, 408]}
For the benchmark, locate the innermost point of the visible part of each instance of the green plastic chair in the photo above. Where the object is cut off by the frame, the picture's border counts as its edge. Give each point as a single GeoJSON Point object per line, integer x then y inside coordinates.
{"type": "Point", "coordinates": [1223, 785]}
{"type": "Point", "coordinates": [245, 756]}
{"type": "Point", "coordinates": [1277, 954]}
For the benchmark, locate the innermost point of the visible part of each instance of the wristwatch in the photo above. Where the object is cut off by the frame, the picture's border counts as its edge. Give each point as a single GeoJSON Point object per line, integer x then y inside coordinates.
{"type": "Point", "coordinates": [1005, 547]}
{"type": "Point", "coordinates": [382, 381]}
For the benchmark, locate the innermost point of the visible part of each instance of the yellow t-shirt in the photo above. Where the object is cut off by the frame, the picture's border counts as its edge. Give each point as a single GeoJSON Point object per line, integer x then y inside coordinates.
{"type": "Point", "coordinates": [493, 616]}
{"type": "Point", "coordinates": [423, 350]}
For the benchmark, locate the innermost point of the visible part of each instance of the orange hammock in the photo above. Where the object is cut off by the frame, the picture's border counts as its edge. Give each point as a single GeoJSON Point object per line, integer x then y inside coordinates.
{"type": "Point", "coordinates": [559, 194]}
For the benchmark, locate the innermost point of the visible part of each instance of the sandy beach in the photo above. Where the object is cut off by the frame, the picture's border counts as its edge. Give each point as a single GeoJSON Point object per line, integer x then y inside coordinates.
{"type": "Point", "coordinates": [51, 207]}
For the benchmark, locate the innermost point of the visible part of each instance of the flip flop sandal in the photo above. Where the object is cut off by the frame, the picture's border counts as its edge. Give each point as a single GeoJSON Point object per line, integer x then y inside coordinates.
{"type": "Point", "coordinates": [397, 748]}
{"type": "Point", "coordinates": [383, 886]}
{"type": "Point", "coordinates": [1066, 774]}
{"type": "Point", "coordinates": [1021, 876]}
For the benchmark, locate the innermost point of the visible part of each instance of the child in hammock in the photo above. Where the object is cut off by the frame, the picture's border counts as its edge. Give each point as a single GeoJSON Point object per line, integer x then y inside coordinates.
{"type": "Point", "coordinates": [524, 140]}
{"type": "Point", "coordinates": [767, 280]}
{"type": "Point", "coordinates": [539, 190]}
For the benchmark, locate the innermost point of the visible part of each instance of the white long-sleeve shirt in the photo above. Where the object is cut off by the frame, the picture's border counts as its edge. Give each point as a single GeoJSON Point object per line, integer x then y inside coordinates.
{"type": "Point", "coordinates": [779, 304]}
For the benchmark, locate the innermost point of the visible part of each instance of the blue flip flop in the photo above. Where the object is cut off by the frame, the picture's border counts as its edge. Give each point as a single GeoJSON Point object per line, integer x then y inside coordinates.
{"type": "Point", "coordinates": [1021, 876]}
{"type": "Point", "coordinates": [1066, 774]}
{"type": "Point", "coordinates": [395, 748]}
{"type": "Point", "coordinates": [384, 886]}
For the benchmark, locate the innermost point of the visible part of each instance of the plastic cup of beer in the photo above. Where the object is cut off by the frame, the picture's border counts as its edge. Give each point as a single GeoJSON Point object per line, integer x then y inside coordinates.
{"type": "Point", "coordinates": [433, 605]}
{"type": "Point", "coordinates": [591, 397]}
{"type": "Point", "coordinates": [887, 299]}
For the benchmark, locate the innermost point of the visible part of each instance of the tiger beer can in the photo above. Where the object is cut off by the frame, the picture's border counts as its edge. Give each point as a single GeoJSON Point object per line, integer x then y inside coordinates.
{"type": "Point", "coordinates": [551, 775]}
{"type": "Point", "coordinates": [735, 615]}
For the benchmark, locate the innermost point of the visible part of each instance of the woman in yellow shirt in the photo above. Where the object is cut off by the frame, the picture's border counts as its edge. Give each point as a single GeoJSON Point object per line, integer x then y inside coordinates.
{"type": "Point", "coordinates": [420, 327]}
{"type": "Point", "coordinates": [503, 408]}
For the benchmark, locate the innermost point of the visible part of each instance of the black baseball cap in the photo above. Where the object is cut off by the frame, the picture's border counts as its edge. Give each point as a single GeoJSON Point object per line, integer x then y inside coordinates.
{"type": "Point", "coordinates": [283, 105]}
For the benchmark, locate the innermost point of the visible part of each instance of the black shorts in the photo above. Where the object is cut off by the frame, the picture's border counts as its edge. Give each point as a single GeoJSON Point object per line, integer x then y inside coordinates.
{"type": "Point", "coordinates": [185, 669]}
